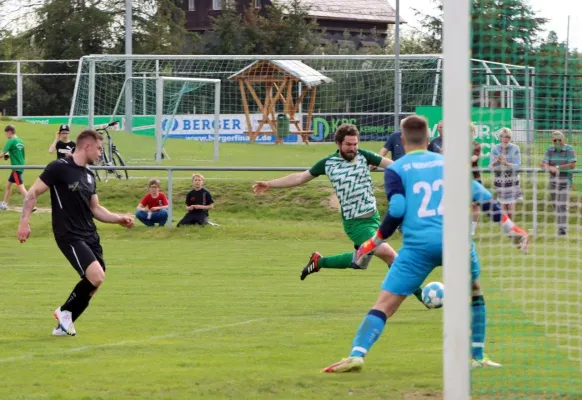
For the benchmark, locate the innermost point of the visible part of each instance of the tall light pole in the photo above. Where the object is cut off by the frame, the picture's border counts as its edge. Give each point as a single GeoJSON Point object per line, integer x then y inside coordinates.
{"type": "Point", "coordinates": [128, 67]}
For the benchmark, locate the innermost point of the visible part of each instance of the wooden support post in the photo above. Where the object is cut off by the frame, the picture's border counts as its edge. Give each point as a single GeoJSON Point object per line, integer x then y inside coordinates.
{"type": "Point", "coordinates": [312, 95]}
{"type": "Point", "coordinates": [247, 110]}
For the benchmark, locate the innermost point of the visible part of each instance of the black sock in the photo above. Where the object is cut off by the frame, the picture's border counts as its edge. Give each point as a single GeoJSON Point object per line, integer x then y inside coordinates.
{"type": "Point", "coordinates": [79, 298]}
{"type": "Point", "coordinates": [79, 309]}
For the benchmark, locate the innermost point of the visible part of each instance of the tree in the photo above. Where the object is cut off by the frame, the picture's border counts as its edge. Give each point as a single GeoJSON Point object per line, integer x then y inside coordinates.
{"type": "Point", "coordinates": [230, 34]}
{"type": "Point", "coordinates": [283, 29]}
{"type": "Point", "coordinates": [70, 29]}
{"type": "Point", "coordinates": [289, 29]}
{"type": "Point", "coordinates": [503, 30]}
{"type": "Point", "coordinates": [7, 82]}
{"type": "Point", "coordinates": [159, 28]}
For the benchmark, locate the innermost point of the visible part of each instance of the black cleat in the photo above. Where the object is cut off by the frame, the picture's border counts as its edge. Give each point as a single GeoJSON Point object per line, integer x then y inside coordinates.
{"type": "Point", "coordinates": [311, 266]}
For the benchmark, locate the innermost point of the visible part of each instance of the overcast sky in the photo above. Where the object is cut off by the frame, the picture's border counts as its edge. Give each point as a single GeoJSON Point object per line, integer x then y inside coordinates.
{"type": "Point", "coordinates": [556, 10]}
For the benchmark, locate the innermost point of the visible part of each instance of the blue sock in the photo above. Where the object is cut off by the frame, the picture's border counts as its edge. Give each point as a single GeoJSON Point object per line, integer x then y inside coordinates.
{"type": "Point", "coordinates": [478, 325]}
{"type": "Point", "coordinates": [369, 331]}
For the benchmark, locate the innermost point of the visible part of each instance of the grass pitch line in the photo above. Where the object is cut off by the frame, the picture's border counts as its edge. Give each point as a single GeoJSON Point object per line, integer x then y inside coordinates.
{"type": "Point", "coordinates": [128, 342]}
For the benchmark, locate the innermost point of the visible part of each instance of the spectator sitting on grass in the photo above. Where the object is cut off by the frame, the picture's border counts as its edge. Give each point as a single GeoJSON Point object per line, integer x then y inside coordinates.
{"type": "Point", "coordinates": [153, 208]}
{"type": "Point", "coordinates": [198, 202]}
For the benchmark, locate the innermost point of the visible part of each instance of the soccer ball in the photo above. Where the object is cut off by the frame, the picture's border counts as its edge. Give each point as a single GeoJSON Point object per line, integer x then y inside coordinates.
{"type": "Point", "coordinates": [433, 295]}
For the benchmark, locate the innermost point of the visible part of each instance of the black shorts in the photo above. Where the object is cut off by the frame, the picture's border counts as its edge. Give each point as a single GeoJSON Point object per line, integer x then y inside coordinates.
{"type": "Point", "coordinates": [15, 177]}
{"type": "Point", "coordinates": [81, 253]}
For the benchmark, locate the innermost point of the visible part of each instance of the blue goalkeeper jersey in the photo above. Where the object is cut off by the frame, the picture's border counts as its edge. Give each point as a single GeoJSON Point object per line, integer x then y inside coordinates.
{"type": "Point", "coordinates": [414, 187]}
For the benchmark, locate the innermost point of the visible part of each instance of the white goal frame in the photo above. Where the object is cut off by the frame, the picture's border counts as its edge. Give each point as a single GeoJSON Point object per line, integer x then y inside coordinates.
{"type": "Point", "coordinates": [159, 95]}
{"type": "Point", "coordinates": [160, 107]}
{"type": "Point", "coordinates": [456, 198]}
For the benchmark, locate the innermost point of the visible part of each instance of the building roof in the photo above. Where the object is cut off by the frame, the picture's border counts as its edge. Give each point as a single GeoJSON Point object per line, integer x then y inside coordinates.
{"type": "Point", "coordinates": [268, 69]}
{"type": "Point", "coordinates": [352, 10]}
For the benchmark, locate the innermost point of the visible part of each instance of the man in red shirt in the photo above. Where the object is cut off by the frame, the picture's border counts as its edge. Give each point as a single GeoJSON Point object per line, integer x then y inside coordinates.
{"type": "Point", "coordinates": [153, 208]}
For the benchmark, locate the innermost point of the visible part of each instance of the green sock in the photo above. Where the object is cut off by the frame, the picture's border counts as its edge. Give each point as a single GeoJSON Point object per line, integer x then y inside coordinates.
{"type": "Point", "coordinates": [418, 294]}
{"type": "Point", "coordinates": [339, 261]}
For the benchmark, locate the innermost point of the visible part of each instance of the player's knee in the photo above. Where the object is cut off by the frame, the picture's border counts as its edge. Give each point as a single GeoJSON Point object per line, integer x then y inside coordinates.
{"type": "Point", "coordinates": [386, 253]}
{"type": "Point", "coordinates": [95, 274]}
{"type": "Point", "coordinates": [476, 288]}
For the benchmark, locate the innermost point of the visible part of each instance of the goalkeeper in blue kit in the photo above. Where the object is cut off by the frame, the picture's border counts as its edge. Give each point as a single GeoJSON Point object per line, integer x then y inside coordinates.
{"type": "Point", "coordinates": [414, 186]}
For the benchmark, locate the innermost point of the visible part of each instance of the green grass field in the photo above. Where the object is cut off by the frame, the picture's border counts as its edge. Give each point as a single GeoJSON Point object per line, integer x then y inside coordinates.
{"type": "Point", "coordinates": [221, 313]}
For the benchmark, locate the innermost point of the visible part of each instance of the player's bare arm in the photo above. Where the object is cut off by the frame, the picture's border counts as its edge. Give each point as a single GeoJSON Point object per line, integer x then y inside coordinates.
{"type": "Point", "coordinates": [288, 181]}
{"type": "Point", "coordinates": [104, 215]}
{"type": "Point", "coordinates": [38, 188]}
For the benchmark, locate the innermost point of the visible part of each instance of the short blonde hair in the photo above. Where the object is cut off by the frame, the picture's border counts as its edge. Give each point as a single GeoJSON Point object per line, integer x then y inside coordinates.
{"type": "Point", "coordinates": [558, 135]}
{"type": "Point", "coordinates": [505, 132]}
{"type": "Point", "coordinates": [153, 182]}
{"type": "Point", "coordinates": [414, 129]}
{"type": "Point", "coordinates": [199, 176]}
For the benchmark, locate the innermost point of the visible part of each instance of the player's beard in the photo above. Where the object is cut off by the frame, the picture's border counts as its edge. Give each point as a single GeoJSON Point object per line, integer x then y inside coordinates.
{"type": "Point", "coordinates": [348, 156]}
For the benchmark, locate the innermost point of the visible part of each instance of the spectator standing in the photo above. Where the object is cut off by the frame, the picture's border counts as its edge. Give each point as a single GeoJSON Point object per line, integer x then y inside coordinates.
{"type": "Point", "coordinates": [505, 160]}
{"type": "Point", "coordinates": [62, 144]}
{"type": "Point", "coordinates": [559, 160]}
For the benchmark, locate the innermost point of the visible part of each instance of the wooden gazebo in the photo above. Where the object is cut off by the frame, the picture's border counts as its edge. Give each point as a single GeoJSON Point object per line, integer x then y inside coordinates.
{"type": "Point", "coordinates": [280, 78]}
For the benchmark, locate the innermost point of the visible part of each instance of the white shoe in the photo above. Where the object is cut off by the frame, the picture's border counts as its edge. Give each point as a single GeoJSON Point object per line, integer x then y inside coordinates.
{"type": "Point", "coordinates": [485, 362]}
{"type": "Point", "coordinates": [3, 206]}
{"type": "Point", "coordinates": [65, 319]}
{"type": "Point", "coordinates": [59, 332]}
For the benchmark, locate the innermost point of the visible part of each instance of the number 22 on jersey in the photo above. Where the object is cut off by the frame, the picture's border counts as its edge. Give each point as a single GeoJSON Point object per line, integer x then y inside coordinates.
{"type": "Point", "coordinates": [427, 189]}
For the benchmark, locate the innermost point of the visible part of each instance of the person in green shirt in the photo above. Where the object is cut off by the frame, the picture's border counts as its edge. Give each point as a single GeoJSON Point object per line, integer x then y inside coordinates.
{"type": "Point", "coordinates": [348, 169]}
{"type": "Point", "coordinates": [13, 150]}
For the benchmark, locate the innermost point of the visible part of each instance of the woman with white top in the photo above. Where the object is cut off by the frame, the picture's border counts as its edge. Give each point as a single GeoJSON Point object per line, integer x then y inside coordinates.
{"type": "Point", "coordinates": [505, 159]}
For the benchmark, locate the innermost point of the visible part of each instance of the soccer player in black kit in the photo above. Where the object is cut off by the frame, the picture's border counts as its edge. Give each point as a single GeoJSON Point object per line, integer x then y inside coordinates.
{"type": "Point", "coordinates": [74, 204]}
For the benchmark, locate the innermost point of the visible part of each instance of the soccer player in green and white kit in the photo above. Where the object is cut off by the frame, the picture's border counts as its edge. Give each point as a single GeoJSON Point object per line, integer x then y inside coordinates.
{"type": "Point", "coordinates": [13, 149]}
{"type": "Point", "coordinates": [349, 173]}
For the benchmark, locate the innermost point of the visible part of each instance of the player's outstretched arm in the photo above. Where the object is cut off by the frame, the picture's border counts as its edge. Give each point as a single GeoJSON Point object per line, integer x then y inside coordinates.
{"type": "Point", "coordinates": [104, 215]}
{"type": "Point", "coordinates": [288, 181]}
{"type": "Point", "coordinates": [38, 188]}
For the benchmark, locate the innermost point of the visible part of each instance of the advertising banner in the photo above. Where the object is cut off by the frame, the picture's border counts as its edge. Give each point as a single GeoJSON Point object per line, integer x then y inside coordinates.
{"type": "Point", "coordinates": [190, 127]}
{"type": "Point", "coordinates": [372, 127]}
{"type": "Point", "coordinates": [488, 123]}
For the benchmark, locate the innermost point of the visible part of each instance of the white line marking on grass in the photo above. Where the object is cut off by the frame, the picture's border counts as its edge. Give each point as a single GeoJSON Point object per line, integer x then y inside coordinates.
{"type": "Point", "coordinates": [129, 342]}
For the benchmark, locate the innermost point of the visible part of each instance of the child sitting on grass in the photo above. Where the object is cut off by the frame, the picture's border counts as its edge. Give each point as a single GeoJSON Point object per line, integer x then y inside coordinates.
{"type": "Point", "coordinates": [198, 202]}
{"type": "Point", "coordinates": [153, 208]}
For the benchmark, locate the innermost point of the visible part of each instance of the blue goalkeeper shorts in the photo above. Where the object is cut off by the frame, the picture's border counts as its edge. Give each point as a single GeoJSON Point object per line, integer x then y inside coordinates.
{"type": "Point", "coordinates": [414, 264]}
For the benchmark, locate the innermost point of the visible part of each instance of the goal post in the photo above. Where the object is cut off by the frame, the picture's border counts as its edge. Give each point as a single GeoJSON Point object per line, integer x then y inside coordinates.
{"type": "Point", "coordinates": [456, 198]}
{"type": "Point", "coordinates": [185, 85]}
{"type": "Point", "coordinates": [163, 103]}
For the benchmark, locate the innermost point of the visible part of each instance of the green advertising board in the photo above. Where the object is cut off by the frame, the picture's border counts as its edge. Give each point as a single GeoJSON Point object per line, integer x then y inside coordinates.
{"type": "Point", "coordinates": [142, 125]}
{"type": "Point", "coordinates": [488, 122]}
{"type": "Point", "coordinates": [65, 120]}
